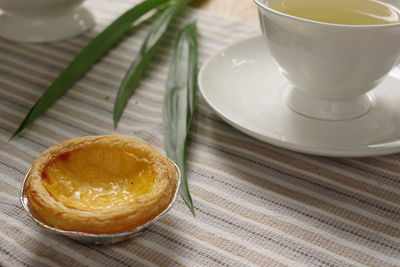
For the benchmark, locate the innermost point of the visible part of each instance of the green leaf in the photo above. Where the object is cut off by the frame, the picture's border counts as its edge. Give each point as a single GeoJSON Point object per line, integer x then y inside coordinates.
{"type": "Point", "coordinates": [159, 10]}
{"type": "Point", "coordinates": [146, 53]}
{"type": "Point", "coordinates": [179, 103]}
{"type": "Point", "coordinates": [86, 58]}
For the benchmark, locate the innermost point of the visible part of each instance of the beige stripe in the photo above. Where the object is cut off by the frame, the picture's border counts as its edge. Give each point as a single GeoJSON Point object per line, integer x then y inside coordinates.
{"type": "Point", "coordinates": [363, 174]}
{"type": "Point", "coordinates": [283, 226]}
{"type": "Point", "coordinates": [24, 68]}
{"type": "Point", "coordinates": [25, 147]}
{"type": "Point", "coordinates": [166, 249]}
{"type": "Point", "coordinates": [214, 136]}
{"type": "Point", "coordinates": [35, 242]}
{"type": "Point", "coordinates": [26, 95]}
{"type": "Point", "coordinates": [248, 142]}
{"type": "Point", "coordinates": [117, 79]}
{"type": "Point", "coordinates": [289, 161]}
{"type": "Point", "coordinates": [223, 140]}
{"type": "Point", "coordinates": [195, 232]}
{"type": "Point", "coordinates": [39, 244]}
{"type": "Point", "coordinates": [9, 255]}
{"type": "Point", "coordinates": [251, 145]}
{"type": "Point", "coordinates": [115, 253]}
{"type": "Point", "coordinates": [36, 52]}
{"type": "Point", "coordinates": [42, 128]}
{"type": "Point", "coordinates": [44, 75]}
{"type": "Point", "coordinates": [128, 109]}
{"type": "Point", "coordinates": [46, 56]}
{"type": "Point", "coordinates": [63, 108]}
{"type": "Point", "coordinates": [6, 148]}
{"type": "Point", "coordinates": [132, 44]}
{"type": "Point", "coordinates": [11, 151]}
{"type": "Point", "coordinates": [33, 73]}
{"type": "Point", "coordinates": [84, 91]}
{"type": "Point", "coordinates": [299, 164]}
{"type": "Point", "coordinates": [202, 251]}
{"type": "Point", "coordinates": [196, 250]}
{"type": "Point", "coordinates": [312, 201]}
{"type": "Point", "coordinates": [260, 235]}
{"type": "Point", "coordinates": [25, 251]}
{"type": "Point", "coordinates": [6, 181]}
{"type": "Point", "coordinates": [64, 111]}
{"type": "Point", "coordinates": [88, 256]}
{"type": "Point", "coordinates": [122, 60]}
{"type": "Point", "coordinates": [387, 214]}
{"type": "Point", "coordinates": [152, 256]}
{"type": "Point", "coordinates": [44, 132]}
{"type": "Point", "coordinates": [56, 110]}
{"type": "Point", "coordinates": [31, 137]}
{"type": "Point", "coordinates": [392, 168]}
{"type": "Point", "coordinates": [213, 228]}
{"type": "Point", "coordinates": [9, 193]}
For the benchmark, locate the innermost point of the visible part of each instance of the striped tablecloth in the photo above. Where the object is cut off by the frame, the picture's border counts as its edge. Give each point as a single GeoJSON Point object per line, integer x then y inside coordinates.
{"type": "Point", "coordinates": [256, 204]}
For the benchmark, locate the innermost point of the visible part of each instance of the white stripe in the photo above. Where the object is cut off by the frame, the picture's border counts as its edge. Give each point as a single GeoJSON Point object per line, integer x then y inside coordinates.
{"type": "Point", "coordinates": [58, 110]}
{"type": "Point", "coordinates": [297, 188]}
{"type": "Point", "coordinates": [78, 122]}
{"type": "Point", "coordinates": [296, 224]}
{"type": "Point", "coordinates": [297, 242]}
{"type": "Point", "coordinates": [205, 244]}
{"type": "Point", "coordinates": [13, 183]}
{"type": "Point", "coordinates": [56, 246]}
{"type": "Point", "coordinates": [164, 250]}
{"type": "Point", "coordinates": [209, 128]}
{"type": "Point", "coordinates": [22, 147]}
{"type": "Point", "coordinates": [32, 233]}
{"type": "Point", "coordinates": [132, 256]}
{"type": "Point", "coordinates": [22, 156]}
{"type": "Point", "coordinates": [239, 241]}
{"type": "Point", "coordinates": [154, 85]}
{"type": "Point", "coordinates": [301, 205]}
{"type": "Point", "coordinates": [29, 254]}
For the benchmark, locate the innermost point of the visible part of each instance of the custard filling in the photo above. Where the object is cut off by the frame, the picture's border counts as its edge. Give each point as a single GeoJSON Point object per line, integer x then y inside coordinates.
{"type": "Point", "coordinates": [98, 177]}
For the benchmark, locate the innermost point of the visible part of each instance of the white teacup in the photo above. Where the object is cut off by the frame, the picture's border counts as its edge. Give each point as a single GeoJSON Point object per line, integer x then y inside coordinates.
{"type": "Point", "coordinates": [43, 20]}
{"type": "Point", "coordinates": [331, 66]}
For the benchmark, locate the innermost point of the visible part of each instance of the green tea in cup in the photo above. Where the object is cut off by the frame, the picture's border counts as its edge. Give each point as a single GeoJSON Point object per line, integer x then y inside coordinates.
{"type": "Point", "coordinates": [352, 12]}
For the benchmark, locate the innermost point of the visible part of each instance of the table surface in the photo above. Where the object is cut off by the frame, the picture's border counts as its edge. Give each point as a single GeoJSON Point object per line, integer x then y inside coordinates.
{"type": "Point", "coordinates": [256, 204]}
{"type": "Point", "coordinates": [242, 9]}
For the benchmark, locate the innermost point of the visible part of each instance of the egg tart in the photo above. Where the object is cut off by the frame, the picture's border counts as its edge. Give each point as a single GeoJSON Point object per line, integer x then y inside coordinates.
{"type": "Point", "coordinates": [99, 184]}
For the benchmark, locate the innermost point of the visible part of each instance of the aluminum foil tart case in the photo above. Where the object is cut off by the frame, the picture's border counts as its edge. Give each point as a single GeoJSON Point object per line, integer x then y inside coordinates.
{"type": "Point", "coordinates": [101, 239]}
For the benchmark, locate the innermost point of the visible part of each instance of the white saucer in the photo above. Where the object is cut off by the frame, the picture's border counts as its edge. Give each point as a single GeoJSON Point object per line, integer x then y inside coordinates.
{"type": "Point", "coordinates": [243, 85]}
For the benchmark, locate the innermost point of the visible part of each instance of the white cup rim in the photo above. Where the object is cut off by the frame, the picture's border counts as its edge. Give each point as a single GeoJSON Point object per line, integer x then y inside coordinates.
{"type": "Point", "coordinates": [265, 7]}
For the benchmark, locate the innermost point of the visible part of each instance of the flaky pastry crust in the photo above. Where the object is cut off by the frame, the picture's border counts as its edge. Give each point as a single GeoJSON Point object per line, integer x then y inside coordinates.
{"type": "Point", "coordinates": [46, 208]}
